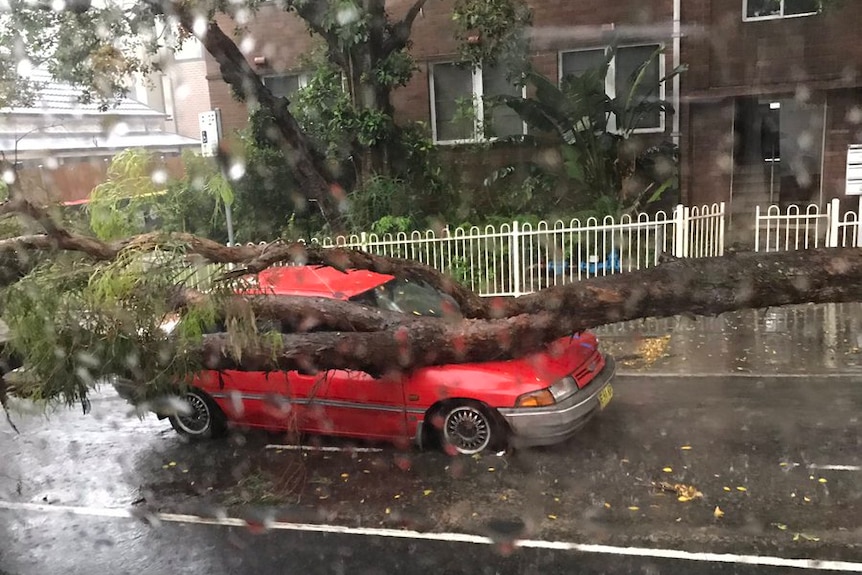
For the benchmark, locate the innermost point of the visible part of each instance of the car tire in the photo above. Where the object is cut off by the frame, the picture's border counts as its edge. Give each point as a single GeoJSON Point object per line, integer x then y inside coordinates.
{"type": "Point", "coordinates": [469, 427]}
{"type": "Point", "coordinates": [206, 420]}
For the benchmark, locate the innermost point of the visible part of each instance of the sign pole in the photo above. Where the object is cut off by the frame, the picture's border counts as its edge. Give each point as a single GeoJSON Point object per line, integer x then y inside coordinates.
{"type": "Point", "coordinates": [211, 133]}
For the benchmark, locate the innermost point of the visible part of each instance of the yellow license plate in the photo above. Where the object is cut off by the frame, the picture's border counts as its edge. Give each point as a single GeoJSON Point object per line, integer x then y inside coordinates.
{"type": "Point", "coordinates": [605, 396]}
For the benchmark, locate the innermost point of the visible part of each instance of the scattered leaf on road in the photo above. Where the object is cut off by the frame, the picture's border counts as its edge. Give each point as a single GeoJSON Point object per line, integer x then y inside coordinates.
{"type": "Point", "coordinates": [807, 499]}
{"type": "Point", "coordinates": [633, 508]}
{"type": "Point", "coordinates": [718, 513]}
{"type": "Point", "coordinates": [552, 517]}
{"type": "Point", "coordinates": [607, 505]}
{"type": "Point", "coordinates": [345, 475]}
{"type": "Point", "coordinates": [726, 488]}
{"type": "Point", "coordinates": [491, 470]}
{"type": "Point", "coordinates": [741, 488]}
{"type": "Point", "coordinates": [686, 447]}
{"type": "Point", "coordinates": [427, 492]}
{"type": "Point", "coordinates": [668, 470]}
{"type": "Point", "coordinates": [684, 492]}
{"type": "Point", "coordinates": [780, 526]}
{"type": "Point", "coordinates": [822, 480]}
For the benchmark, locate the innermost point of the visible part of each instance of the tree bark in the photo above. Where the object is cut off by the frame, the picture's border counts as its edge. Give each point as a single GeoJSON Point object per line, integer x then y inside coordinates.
{"type": "Point", "coordinates": [379, 343]}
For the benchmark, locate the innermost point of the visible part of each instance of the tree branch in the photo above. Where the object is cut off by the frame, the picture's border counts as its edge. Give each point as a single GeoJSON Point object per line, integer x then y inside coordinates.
{"type": "Point", "coordinates": [400, 32]}
{"type": "Point", "coordinates": [312, 173]}
{"type": "Point", "coordinates": [703, 286]}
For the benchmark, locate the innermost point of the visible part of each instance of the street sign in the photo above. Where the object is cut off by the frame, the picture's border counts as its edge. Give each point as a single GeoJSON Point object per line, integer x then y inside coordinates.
{"type": "Point", "coordinates": [210, 127]}
{"type": "Point", "coordinates": [853, 184]}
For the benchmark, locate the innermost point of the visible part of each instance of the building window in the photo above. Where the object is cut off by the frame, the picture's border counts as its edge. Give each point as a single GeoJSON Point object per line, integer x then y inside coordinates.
{"type": "Point", "coordinates": [285, 85]}
{"type": "Point", "coordinates": [462, 104]}
{"type": "Point", "coordinates": [769, 9]}
{"type": "Point", "coordinates": [621, 75]}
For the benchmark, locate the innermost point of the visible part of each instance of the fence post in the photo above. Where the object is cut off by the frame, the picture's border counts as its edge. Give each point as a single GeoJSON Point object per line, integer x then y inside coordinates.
{"type": "Point", "coordinates": [859, 225]}
{"type": "Point", "coordinates": [833, 217]}
{"type": "Point", "coordinates": [757, 228]}
{"type": "Point", "coordinates": [680, 232]}
{"type": "Point", "coordinates": [363, 241]}
{"type": "Point", "coordinates": [515, 255]}
{"type": "Point", "coordinates": [721, 229]}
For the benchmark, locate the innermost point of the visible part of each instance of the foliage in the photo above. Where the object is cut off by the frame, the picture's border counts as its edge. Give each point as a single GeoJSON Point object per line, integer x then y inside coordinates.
{"type": "Point", "coordinates": [80, 323]}
{"type": "Point", "coordinates": [137, 197]}
{"type": "Point", "coordinates": [593, 133]}
{"type": "Point", "coordinates": [501, 30]}
{"type": "Point", "coordinates": [121, 205]}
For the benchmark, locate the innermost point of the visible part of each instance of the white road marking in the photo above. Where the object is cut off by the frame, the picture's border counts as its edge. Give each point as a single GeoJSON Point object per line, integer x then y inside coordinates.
{"type": "Point", "coordinates": [730, 558]}
{"type": "Point", "coordinates": [324, 448]}
{"type": "Point", "coordinates": [836, 467]}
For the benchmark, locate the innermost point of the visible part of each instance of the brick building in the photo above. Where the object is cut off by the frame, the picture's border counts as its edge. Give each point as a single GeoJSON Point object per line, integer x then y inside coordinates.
{"type": "Point", "coordinates": [771, 101]}
{"type": "Point", "coordinates": [766, 110]}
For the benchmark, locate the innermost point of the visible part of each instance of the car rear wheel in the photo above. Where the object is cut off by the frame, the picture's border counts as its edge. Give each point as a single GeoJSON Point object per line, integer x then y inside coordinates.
{"type": "Point", "coordinates": [203, 420]}
{"type": "Point", "coordinates": [470, 428]}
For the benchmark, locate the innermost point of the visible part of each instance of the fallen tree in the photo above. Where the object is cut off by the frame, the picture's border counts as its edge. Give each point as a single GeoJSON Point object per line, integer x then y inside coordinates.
{"type": "Point", "coordinates": [125, 302]}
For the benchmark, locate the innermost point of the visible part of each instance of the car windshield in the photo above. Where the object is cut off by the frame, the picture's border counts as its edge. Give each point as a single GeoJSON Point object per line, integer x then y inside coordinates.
{"type": "Point", "coordinates": [411, 297]}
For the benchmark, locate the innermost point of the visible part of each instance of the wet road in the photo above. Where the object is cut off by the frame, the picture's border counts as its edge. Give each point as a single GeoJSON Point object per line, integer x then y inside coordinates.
{"type": "Point", "coordinates": [780, 459]}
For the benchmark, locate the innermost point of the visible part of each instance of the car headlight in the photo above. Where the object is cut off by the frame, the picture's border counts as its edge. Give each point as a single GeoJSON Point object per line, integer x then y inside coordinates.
{"type": "Point", "coordinates": [564, 388]}
{"type": "Point", "coordinates": [540, 398]}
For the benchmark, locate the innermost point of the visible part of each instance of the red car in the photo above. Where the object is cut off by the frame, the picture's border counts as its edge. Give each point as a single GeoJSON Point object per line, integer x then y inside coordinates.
{"type": "Point", "coordinates": [540, 399]}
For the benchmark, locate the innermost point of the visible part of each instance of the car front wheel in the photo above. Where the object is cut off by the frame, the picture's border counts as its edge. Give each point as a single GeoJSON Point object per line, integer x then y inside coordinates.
{"type": "Point", "coordinates": [469, 428]}
{"type": "Point", "coordinates": [204, 419]}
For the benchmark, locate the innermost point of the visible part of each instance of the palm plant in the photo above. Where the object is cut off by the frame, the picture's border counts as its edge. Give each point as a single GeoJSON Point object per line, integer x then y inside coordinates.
{"type": "Point", "coordinates": [593, 133]}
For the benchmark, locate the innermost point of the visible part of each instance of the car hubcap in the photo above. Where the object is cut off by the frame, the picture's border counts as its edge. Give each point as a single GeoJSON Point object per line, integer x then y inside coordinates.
{"type": "Point", "coordinates": [467, 430]}
{"type": "Point", "coordinates": [197, 421]}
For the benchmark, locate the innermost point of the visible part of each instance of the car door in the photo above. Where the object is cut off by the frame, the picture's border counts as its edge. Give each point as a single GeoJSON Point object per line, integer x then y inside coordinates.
{"type": "Point", "coordinates": [260, 399]}
{"type": "Point", "coordinates": [355, 404]}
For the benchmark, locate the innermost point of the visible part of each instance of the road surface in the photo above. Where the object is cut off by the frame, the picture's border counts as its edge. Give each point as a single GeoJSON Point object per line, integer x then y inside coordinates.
{"type": "Point", "coordinates": [778, 461]}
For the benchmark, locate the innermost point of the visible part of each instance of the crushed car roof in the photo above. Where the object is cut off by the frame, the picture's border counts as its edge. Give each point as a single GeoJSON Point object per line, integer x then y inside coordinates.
{"type": "Point", "coordinates": [316, 281]}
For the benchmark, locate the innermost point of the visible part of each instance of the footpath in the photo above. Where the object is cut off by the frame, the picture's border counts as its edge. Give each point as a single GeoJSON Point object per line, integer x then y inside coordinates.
{"type": "Point", "coordinates": [821, 339]}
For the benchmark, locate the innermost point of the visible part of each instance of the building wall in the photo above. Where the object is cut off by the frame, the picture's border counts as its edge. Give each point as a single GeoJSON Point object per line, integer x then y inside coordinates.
{"type": "Point", "coordinates": [727, 52]}
{"type": "Point", "coordinates": [843, 127]}
{"type": "Point", "coordinates": [191, 95]}
{"type": "Point", "coordinates": [707, 145]}
{"type": "Point", "coordinates": [283, 39]}
{"type": "Point", "coordinates": [809, 58]}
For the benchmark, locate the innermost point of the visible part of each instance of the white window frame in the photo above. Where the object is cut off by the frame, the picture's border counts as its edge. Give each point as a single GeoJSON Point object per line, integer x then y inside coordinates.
{"type": "Point", "coordinates": [611, 81]}
{"type": "Point", "coordinates": [478, 107]}
{"type": "Point", "coordinates": [779, 16]}
{"type": "Point", "coordinates": [302, 78]}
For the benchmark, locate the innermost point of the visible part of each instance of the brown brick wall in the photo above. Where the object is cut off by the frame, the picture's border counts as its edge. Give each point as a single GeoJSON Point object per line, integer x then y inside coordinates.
{"type": "Point", "coordinates": [707, 152]}
{"type": "Point", "coordinates": [282, 38]}
{"type": "Point", "coordinates": [843, 127]}
{"type": "Point", "coordinates": [724, 51]}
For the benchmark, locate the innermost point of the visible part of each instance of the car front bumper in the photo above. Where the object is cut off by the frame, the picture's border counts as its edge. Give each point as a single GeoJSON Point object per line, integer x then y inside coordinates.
{"type": "Point", "coordinates": [534, 426]}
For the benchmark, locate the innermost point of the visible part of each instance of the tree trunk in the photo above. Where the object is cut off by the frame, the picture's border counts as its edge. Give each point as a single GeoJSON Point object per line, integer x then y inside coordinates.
{"type": "Point", "coordinates": [314, 180]}
{"type": "Point", "coordinates": [379, 342]}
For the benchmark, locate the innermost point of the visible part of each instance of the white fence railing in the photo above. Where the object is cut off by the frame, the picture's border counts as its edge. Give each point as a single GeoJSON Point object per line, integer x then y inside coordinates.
{"type": "Point", "coordinates": [519, 258]}
{"type": "Point", "coordinates": [805, 228]}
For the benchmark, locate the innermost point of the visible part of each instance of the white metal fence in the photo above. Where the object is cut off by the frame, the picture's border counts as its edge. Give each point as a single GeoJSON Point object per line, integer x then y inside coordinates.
{"type": "Point", "coordinates": [804, 228]}
{"type": "Point", "coordinates": [518, 258]}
